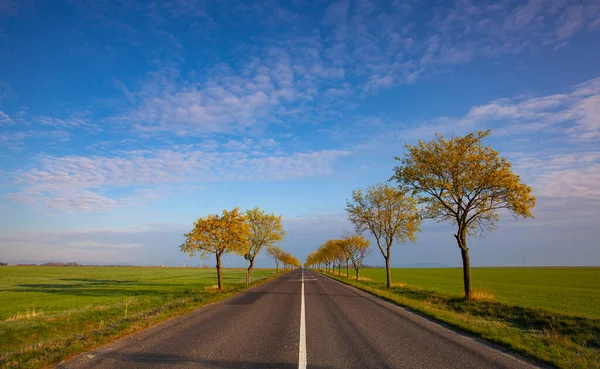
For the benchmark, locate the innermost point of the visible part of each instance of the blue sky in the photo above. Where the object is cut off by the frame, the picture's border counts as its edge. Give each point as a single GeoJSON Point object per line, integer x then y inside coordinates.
{"type": "Point", "coordinates": [121, 122]}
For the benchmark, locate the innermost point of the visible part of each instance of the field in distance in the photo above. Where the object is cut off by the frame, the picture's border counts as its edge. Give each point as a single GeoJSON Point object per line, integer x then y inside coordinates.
{"type": "Point", "coordinates": [47, 312]}
{"type": "Point", "coordinates": [573, 291]}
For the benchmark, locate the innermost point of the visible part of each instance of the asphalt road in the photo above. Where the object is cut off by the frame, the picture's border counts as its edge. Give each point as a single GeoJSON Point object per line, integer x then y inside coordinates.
{"type": "Point", "coordinates": [264, 327]}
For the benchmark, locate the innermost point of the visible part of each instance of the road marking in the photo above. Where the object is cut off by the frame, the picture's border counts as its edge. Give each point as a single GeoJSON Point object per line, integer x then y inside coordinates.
{"type": "Point", "coordinates": [302, 346]}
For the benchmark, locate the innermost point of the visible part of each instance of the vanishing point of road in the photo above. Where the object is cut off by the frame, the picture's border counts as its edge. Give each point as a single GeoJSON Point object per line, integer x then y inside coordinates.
{"type": "Point", "coordinates": [299, 320]}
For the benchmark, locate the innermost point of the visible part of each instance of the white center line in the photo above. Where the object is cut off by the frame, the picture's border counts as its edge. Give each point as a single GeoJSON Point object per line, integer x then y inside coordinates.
{"type": "Point", "coordinates": [302, 346]}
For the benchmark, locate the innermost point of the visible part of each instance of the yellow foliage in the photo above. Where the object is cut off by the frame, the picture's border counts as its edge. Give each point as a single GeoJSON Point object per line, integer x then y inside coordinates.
{"type": "Point", "coordinates": [264, 230]}
{"type": "Point", "coordinates": [387, 212]}
{"type": "Point", "coordinates": [463, 181]}
{"type": "Point", "coordinates": [218, 234]}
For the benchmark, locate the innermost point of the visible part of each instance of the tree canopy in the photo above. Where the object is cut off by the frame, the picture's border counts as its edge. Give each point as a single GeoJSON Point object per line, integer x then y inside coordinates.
{"type": "Point", "coordinates": [264, 230]}
{"type": "Point", "coordinates": [465, 182]}
{"type": "Point", "coordinates": [217, 235]}
{"type": "Point", "coordinates": [388, 213]}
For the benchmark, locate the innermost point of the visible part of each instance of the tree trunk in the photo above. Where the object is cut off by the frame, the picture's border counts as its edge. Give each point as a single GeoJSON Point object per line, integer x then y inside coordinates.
{"type": "Point", "coordinates": [219, 276]}
{"type": "Point", "coordinates": [248, 278]}
{"type": "Point", "coordinates": [276, 267]}
{"type": "Point", "coordinates": [461, 238]}
{"type": "Point", "coordinates": [357, 274]}
{"type": "Point", "coordinates": [466, 272]}
{"type": "Point", "coordinates": [340, 269]}
{"type": "Point", "coordinates": [347, 270]}
{"type": "Point", "coordinates": [388, 271]}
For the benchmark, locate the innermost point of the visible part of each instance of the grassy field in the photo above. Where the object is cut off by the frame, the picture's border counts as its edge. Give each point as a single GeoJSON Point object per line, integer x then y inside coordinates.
{"type": "Point", "coordinates": [50, 312]}
{"type": "Point", "coordinates": [574, 291]}
{"type": "Point", "coordinates": [550, 314]}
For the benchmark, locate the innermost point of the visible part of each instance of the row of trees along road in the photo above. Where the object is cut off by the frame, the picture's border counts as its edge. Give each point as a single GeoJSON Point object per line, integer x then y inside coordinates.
{"type": "Point", "coordinates": [351, 249]}
{"type": "Point", "coordinates": [458, 180]}
{"type": "Point", "coordinates": [238, 233]}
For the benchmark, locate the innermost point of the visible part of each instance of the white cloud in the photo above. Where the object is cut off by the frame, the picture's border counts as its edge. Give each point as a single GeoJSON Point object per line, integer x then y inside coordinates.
{"type": "Point", "coordinates": [5, 119]}
{"type": "Point", "coordinates": [571, 21]}
{"type": "Point", "coordinates": [150, 245]}
{"type": "Point", "coordinates": [570, 175]}
{"type": "Point", "coordinates": [575, 115]}
{"type": "Point", "coordinates": [18, 140]}
{"type": "Point", "coordinates": [382, 47]}
{"type": "Point", "coordinates": [81, 183]}
{"type": "Point", "coordinates": [373, 45]}
{"type": "Point", "coordinates": [78, 120]}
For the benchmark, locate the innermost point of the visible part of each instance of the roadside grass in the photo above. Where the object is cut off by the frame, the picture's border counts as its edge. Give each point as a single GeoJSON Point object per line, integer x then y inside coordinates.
{"type": "Point", "coordinates": [562, 340]}
{"type": "Point", "coordinates": [573, 291]}
{"type": "Point", "coordinates": [50, 313]}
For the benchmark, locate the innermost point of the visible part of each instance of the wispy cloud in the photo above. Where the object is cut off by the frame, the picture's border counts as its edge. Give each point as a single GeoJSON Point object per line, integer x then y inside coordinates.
{"type": "Point", "coordinates": [557, 176]}
{"type": "Point", "coordinates": [362, 47]}
{"type": "Point", "coordinates": [5, 119]}
{"type": "Point", "coordinates": [576, 114]}
{"type": "Point", "coordinates": [13, 141]}
{"type": "Point", "coordinates": [78, 120]}
{"type": "Point", "coordinates": [95, 246]}
{"type": "Point", "coordinates": [383, 44]}
{"type": "Point", "coordinates": [81, 183]}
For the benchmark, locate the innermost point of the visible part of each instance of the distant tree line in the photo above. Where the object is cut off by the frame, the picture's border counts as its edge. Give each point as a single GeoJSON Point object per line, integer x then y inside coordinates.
{"type": "Point", "coordinates": [458, 180]}
{"type": "Point", "coordinates": [52, 263]}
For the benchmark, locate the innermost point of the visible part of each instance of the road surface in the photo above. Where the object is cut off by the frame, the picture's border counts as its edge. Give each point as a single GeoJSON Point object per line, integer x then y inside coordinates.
{"type": "Point", "coordinates": [302, 319]}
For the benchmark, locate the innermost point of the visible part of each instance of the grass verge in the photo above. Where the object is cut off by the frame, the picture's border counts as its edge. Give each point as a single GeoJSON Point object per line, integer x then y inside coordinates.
{"type": "Point", "coordinates": [560, 340]}
{"type": "Point", "coordinates": [58, 337]}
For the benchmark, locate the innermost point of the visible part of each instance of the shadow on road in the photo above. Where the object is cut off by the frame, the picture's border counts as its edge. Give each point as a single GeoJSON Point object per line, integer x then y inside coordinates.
{"type": "Point", "coordinates": [142, 360]}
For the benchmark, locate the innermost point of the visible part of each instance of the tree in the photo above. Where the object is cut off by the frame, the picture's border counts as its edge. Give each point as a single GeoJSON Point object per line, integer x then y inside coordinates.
{"type": "Point", "coordinates": [339, 254]}
{"type": "Point", "coordinates": [218, 235]}
{"type": "Point", "coordinates": [388, 214]}
{"type": "Point", "coordinates": [276, 253]}
{"type": "Point", "coordinates": [290, 261]}
{"type": "Point", "coordinates": [329, 252]}
{"type": "Point", "coordinates": [357, 248]}
{"type": "Point", "coordinates": [265, 229]}
{"type": "Point", "coordinates": [465, 182]}
{"type": "Point", "coordinates": [311, 260]}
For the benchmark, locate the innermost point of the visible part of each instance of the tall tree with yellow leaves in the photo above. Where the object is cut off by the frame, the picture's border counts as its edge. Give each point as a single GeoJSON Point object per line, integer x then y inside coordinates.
{"type": "Point", "coordinates": [465, 182]}
{"type": "Point", "coordinates": [388, 213]}
{"type": "Point", "coordinates": [217, 235]}
{"type": "Point", "coordinates": [264, 230]}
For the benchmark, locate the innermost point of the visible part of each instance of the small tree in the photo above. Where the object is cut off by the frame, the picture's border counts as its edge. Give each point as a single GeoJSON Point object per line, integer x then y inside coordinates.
{"type": "Point", "coordinates": [357, 249]}
{"type": "Point", "coordinates": [465, 182]}
{"type": "Point", "coordinates": [388, 214]}
{"type": "Point", "coordinates": [217, 235]}
{"type": "Point", "coordinates": [276, 253]}
{"type": "Point", "coordinates": [265, 230]}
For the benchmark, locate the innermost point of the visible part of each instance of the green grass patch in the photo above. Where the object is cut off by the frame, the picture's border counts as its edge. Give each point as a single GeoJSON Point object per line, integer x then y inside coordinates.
{"type": "Point", "coordinates": [574, 291]}
{"type": "Point", "coordinates": [49, 313]}
{"type": "Point", "coordinates": [564, 340]}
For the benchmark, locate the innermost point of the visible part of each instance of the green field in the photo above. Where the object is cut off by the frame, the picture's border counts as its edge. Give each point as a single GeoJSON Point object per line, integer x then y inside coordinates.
{"type": "Point", "coordinates": [574, 291]}
{"type": "Point", "coordinates": [49, 312]}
